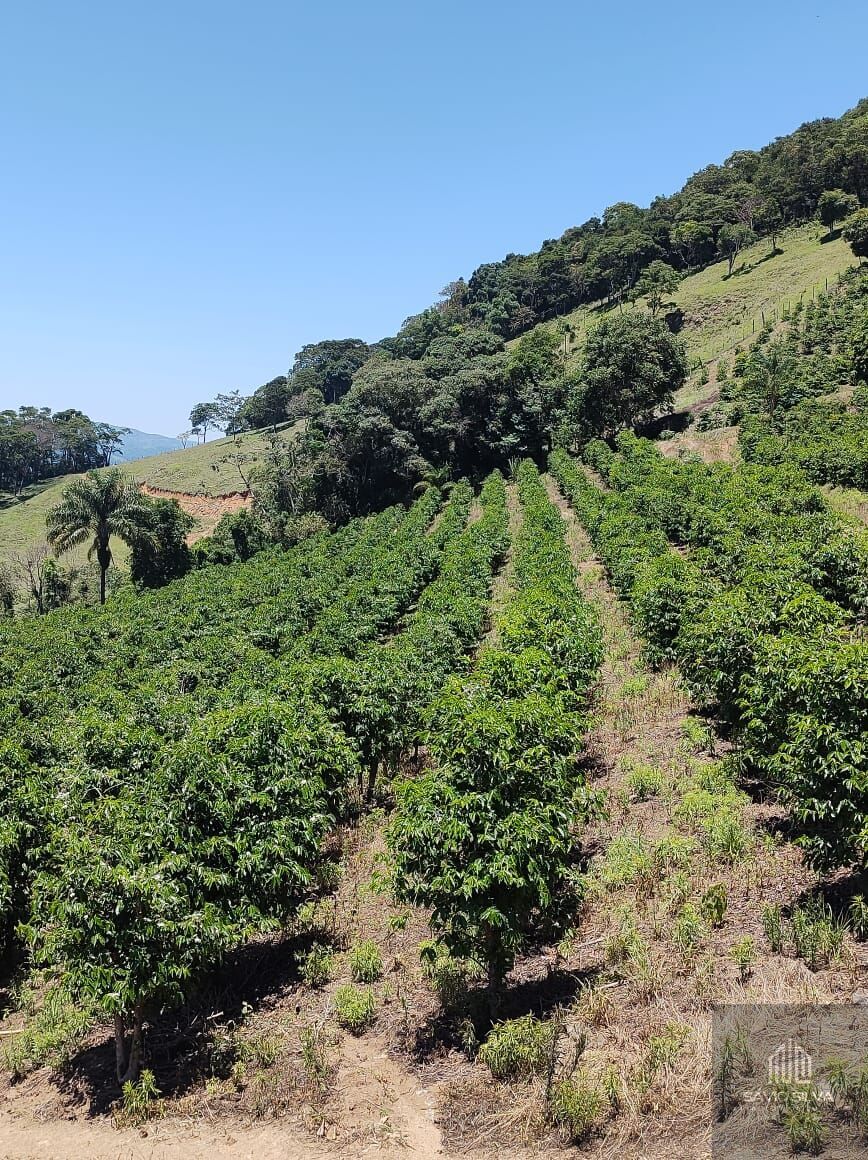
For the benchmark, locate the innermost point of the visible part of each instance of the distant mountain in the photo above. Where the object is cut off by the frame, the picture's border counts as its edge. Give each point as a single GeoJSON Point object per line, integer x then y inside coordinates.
{"type": "Point", "coordinates": [139, 445]}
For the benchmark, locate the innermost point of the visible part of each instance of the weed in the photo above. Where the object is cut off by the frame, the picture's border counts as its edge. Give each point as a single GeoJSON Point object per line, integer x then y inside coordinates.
{"type": "Point", "coordinates": [328, 876]}
{"type": "Point", "coordinates": [316, 966]}
{"type": "Point", "coordinates": [633, 686]}
{"type": "Point", "coordinates": [518, 1047]}
{"type": "Point", "coordinates": [743, 954]}
{"type": "Point", "coordinates": [366, 962]}
{"type": "Point", "coordinates": [58, 1026]}
{"type": "Point", "coordinates": [644, 782]}
{"type": "Point", "coordinates": [663, 1049]}
{"type": "Point", "coordinates": [354, 1007]}
{"type": "Point", "coordinates": [593, 1005]}
{"type": "Point", "coordinates": [798, 1110]}
{"type": "Point", "coordinates": [448, 976]}
{"type": "Point", "coordinates": [818, 936]}
{"type": "Point", "coordinates": [674, 852]}
{"type": "Point", "coordinates": [696, 736]}
{"type": "Point", "coordinates": [625, 940]}
{"type": "Point", "coordinates": [713, 905]}
{"type": "Point", "coordinates": [726, 838]}
{"type": "Point", "coordinates": [259, 1051]}
{"type": "Point", "coordinates": [859, 916]}
{"type": "Point", "coordinates": [680, 888]}
{"type": "Point", "coordinates": [314, 1056]}
{"type": "Point", "coordinates": [688, 930]}
{"type": "Point", "coordinates": [773, 927]}
{"type": "Point", "coordinates": [576, 1107]}
{"type": "Point", "coordinates": [627, 861]}
{"type": "Point", "coordinates": [140, 1102]}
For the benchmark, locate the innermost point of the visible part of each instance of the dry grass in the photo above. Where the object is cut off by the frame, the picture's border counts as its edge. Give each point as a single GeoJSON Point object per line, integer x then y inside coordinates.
{"type": "Point", "coordinates": [716, 446]}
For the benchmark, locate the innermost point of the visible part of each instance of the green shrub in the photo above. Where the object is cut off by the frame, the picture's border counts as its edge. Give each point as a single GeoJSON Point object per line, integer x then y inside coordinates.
{"type": "Point", "coordinates": [354, 1007]}
{"type": "Point", "coordinates": [713, 905]}
{"type": "Point", "coordinates": [576, 1107]}
{"type": "Point", "coordinates": [316, 966]}
{"type": "Point", "coordinates": [773, 927]}
{"type": "Point", "coordinates": [518, 1047]}
{"type": "Point", "coordinates": [366, 962]}
{"type": "Point", "coordinates": [688, 930]}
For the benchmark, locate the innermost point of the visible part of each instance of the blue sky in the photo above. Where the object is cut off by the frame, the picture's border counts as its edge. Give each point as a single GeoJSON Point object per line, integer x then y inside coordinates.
{"type": "Point", "coordinates": [191, 191]}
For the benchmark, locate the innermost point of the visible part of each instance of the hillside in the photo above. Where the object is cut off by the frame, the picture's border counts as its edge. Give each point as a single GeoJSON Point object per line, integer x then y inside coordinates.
{"type": "Point", "coordinates": [499, 784]}
{"type": "Point", "coordinates": [140, 444]}
{"type": "Point", "coordinates": [721, 312]}
{"type": "Point", "coordinates": [203, 478]}
{"type": "Point", "coordinates": [206, 469]}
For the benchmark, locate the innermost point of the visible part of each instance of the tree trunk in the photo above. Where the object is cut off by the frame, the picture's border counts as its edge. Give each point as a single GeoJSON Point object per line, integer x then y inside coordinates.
{"type": "Point", "coordinates": [120, 1048]}
{"type": "Point", "coordinates": [128, 1064]}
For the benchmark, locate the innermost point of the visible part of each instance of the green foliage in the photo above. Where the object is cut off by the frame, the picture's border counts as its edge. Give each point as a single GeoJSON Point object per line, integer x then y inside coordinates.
{"type": "Point", "coordinates": [576, 1107]}
{"type": "Point", "coordinates": [485, 837]}
{"type": "Point", "coordinates": [855, 233]}
{"type": "Point", "coordinates": [518, 1047]}
{"type": "Point", "coordinates": [631, 365]}
{"type": "Point", "coordinates": [355, 1007]}
{"type": "Point", "coordinates": [834, 205]}
{"type": "Point", "coordinates": [316, 966]}
{"type": "Point", "coordinates": [713, 905]}
{"type": "Point", "coordinates": [163, 555]}
{"type": "Point", "coordinates": [366, 962]}
{"type": "Point", "coordinates": [102, 505]}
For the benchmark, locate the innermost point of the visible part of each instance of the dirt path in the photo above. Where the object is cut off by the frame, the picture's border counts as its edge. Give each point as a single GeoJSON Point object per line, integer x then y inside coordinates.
{"type": "Point", "coordinates": [392, 1113]}
{"type": "Point", "coordinates": [384, 1112]}
{"type": "Point", "coordinates": [502, 584]}
{"type": "Point", "coordinates": [23, 1137]}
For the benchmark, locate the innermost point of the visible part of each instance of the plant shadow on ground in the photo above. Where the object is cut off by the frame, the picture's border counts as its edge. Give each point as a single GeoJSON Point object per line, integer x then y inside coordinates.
{"type": "Point", "coordinates": [185, 1045]}
{"type": "Point", "coordinates": [746, 267]}
{"type": "Point", "coordinates": [447, 1030]}
{"type": "Point", "coordinates": [837, 891]}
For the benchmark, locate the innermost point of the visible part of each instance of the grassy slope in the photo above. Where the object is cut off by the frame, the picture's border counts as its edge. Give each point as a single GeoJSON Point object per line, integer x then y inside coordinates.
{"type": "Point", "coordinates": [720, 312]}
{"type": "Point", "coordinates": [202, 469]}
{"type": "Point", "coordinates": [199, 470]}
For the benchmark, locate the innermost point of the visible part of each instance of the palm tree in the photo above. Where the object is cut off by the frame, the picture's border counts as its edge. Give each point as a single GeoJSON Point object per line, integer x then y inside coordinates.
{"type": "Point", "coordinates": [103, 504]}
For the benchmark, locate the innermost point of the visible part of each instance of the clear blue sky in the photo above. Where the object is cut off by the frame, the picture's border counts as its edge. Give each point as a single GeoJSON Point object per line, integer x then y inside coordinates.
{"type": "Point", "coordinates": [190, 191]}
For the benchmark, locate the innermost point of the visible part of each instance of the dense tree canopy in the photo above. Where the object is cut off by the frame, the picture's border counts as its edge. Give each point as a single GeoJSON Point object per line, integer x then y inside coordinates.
{"type": "Point", "coordinates": [631, 365]}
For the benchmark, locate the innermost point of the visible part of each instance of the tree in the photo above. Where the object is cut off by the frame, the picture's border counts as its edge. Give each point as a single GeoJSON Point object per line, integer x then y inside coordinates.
{"type": "Point", "coordinates": [631, 365]}
{"type": "Point", "coordinates": [203, 416]}
{"type": "Point", "coordinates": [769, 220]}
{"type": "Point", "coordinates": [103, 504]}
{"type": "Point", "coordinates": [656, 281]}
{"type": "Point", "coordinates": [834, 205]}
{"type": "Point", "coordinates": [731, 241]}
{"type": "Point", "coordinates": [855, 233]}
{"type": "Point", "coordinates": [229, 409]}
{"type": "Point", "coordinates": [163, 555]}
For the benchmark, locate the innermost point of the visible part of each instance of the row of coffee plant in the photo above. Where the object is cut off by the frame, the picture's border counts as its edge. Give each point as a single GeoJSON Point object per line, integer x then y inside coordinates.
{"type": "Point", "coordinates": [487, 837]}
{"type": "Point", "coordinates": [170, 794]}
{"type": "Point", "coordinates": [757, 642]}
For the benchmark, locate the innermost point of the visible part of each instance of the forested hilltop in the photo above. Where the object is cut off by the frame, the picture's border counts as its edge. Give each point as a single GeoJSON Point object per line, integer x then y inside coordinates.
{"type": "Point", "coordinates": [444, 394]}
{"type": "Point", "coordinates": [435, 802]}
